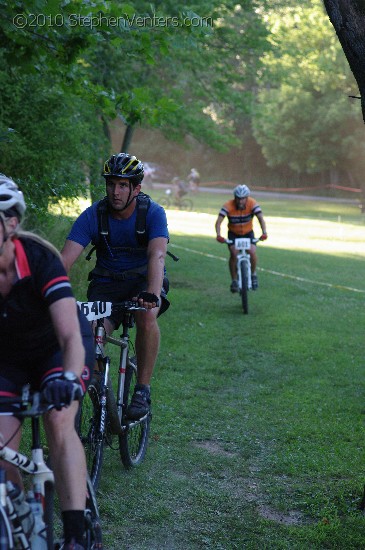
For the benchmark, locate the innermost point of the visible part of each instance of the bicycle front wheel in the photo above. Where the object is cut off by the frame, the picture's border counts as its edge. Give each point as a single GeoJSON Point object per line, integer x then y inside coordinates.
{"type": "Point", "coordinates": [87, 425]}
{"type": "Point", "coordinates": [244, 287]}
{"type": "Point", "coordinates": [133, 440]}
{"type": "Point", "coordinates": [49, 512]}
{"type": "Point", "coordinates": [93, 533]}
{"type": "Point", "coordinates": [164, 201]}
{"type": "Point", "coordinates": [6, 537]}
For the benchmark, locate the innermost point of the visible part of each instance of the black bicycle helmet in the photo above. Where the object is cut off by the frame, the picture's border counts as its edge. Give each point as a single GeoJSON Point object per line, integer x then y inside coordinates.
{"type": "Point", "coordinates": [125, 166]}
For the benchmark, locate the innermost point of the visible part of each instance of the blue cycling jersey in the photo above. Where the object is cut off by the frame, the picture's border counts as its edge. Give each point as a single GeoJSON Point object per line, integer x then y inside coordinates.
{"type": "Point", "coordinates": [121, 235]}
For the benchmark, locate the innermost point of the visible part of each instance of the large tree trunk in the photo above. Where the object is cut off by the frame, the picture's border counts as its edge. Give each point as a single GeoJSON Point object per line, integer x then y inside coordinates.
{"type": "Point", "coordinates": [348, 19]}
{"type": "Point", "coordinates": [127, 138]}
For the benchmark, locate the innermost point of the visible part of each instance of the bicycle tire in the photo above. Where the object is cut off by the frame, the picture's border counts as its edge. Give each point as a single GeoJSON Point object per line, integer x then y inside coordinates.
{"type": "Point", "coordinates": [93, 532]}
{"type": "Point", "coordinates": [87, 426]}
{"type": "Point", "coordinates": [6, 538]}
{"type": "Point", "coordinates": [49, 512]}
{"type": "Point", "coordinates": [133, 440]}
{"type": "Point", "coordinates": [165, 202]}
{"type": "Point", "coordinates": [186, 204]}
{"type": "Point", "coordinates": [114, 426]}
{"type": "Point", "coordinates": [244, 287]}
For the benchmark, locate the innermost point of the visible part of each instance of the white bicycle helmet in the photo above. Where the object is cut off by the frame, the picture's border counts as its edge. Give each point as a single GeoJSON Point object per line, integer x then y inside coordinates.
{"type": "Point", "coordinates": [11, 198]}
{"type": "Point", "coordinates": [241, 191]}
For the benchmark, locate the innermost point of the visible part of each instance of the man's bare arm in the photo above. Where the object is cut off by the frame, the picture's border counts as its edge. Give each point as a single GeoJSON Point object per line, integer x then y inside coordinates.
{"type": "Point", "coordinates": [70, 252]}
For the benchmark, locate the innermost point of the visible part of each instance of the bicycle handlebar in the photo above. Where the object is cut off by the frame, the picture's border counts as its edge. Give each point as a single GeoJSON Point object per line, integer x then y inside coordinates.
{"type": "Point", "coordinates": [255, 240]}
{"type": "Point", "coordinates": [127, 305]}
{"type": "Point", "coordinates": [31, 403]}
{"type": "Point", "coordinates": [100, 309]}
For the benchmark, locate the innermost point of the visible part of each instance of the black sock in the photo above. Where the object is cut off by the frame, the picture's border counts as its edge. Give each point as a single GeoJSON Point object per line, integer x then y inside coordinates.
{"type": "Point", "coordinates": [146, 388]}
{"type": "Point", "coordinates": [73, 525]}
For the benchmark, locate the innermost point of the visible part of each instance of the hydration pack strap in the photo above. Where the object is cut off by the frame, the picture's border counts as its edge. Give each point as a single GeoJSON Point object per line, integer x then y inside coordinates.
{"type": "Point", "coordinates": [101, 272]}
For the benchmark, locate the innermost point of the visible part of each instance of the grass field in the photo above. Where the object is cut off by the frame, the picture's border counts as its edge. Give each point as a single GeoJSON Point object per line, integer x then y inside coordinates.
{"type": "Point", "coordinates": [257, 439]}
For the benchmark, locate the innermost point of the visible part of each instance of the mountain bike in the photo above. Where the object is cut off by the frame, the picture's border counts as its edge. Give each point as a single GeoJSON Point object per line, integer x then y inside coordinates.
{"type": "Point", "coordinates": [12, 535]}
{"type": "Point", "coordinates": [103, 412]}
{"type": "Point", "coordinates": [182, 203]}
{"type": "Point", "coordinates": [243, 246]}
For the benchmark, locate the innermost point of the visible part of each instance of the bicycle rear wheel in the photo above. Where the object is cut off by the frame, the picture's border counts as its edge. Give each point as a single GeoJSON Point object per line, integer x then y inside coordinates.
{"type": "Point", "coordinates": [87, 426]}
{"type": "Point", "coordinates": [244, 286]}
{"type": "Point", "coordinates": [133, 440]}
{"type": "Point", "coordinates": [93, 533]}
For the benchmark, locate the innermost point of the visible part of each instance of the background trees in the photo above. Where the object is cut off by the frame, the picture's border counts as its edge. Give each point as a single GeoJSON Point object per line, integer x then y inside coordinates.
{"type": "Point", "coordinates": [304, 117]}
{"type": "Point", "coordinates": [265, 84]}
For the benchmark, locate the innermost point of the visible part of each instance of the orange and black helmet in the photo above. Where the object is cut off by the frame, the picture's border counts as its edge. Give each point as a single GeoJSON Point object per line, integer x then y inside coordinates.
{"type": "Point", "coordinates": [125, 166]}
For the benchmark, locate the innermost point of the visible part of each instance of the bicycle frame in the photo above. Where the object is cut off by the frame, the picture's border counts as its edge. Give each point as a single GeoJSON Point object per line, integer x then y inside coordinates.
{"type": "Point", "coordinates": [35, 466]}
{"type": "Point", "coordinates": [42, 480]}
{"type": "Point", "coordinates": [42, 475]}
{"type": "Point", "coordinates": [123, 343]}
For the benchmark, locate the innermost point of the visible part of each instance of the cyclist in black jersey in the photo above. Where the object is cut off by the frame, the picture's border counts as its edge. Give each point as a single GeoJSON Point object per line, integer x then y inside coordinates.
{"type": "Point", "coordinates": [47, 343]}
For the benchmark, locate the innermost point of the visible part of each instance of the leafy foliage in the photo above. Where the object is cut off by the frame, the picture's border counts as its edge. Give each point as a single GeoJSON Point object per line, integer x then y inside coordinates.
{"type": "Point", "coordinates": [304, 117]}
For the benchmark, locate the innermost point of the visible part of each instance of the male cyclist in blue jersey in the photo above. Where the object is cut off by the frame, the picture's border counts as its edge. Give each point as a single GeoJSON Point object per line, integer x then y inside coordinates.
{"type": "Point", "coordinates": [240, 212]}
{"type": "Point", "coordinates": [125, 269]}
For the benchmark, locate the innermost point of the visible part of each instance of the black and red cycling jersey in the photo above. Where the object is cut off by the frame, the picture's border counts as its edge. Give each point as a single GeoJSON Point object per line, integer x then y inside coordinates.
{"type": "Point", "coordinates": [25, 324]}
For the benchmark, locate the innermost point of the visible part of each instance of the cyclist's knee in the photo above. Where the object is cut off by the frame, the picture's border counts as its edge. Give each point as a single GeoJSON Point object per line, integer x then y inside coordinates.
{"type": "Point", "coordinates": [58, 423]}
{"type": "Point", "coordinates": [147, 320]}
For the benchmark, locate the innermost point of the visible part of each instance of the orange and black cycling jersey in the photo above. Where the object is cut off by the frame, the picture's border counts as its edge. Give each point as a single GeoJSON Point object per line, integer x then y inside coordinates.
{"type": "Point", "coordinates": [240, 221]}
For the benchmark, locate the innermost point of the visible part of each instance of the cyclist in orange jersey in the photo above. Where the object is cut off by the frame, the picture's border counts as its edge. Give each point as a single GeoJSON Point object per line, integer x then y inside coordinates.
{"type": "Point", "coordinates": [240, 212]}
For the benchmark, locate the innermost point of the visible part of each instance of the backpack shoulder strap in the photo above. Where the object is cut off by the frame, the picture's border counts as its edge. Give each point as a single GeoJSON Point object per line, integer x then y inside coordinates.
{"type": "Point", "coordinates": [143, 204]}
{"type": "Point", "coordinates": [103, 226]}
{"type": "Point", "coordinates": [102, 213]}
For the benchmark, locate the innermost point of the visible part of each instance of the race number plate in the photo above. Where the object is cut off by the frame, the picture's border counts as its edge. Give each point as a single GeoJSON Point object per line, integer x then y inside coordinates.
{"type": "Point", "coordinates": [242, 244]}
{"type": "Point", "coordinates": [95, 310]}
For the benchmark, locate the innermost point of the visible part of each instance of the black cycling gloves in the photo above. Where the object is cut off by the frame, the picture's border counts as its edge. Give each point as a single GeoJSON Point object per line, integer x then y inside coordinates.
{"type": "Point", "coordinates": [149, 297]}
{"type": "Point", "coordinates": [62, 391]}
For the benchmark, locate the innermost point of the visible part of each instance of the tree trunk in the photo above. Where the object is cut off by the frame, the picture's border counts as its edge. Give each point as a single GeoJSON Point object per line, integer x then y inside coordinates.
{"type": "Point", "coordinates": [127, 138]}
{"type": "Point", "coordinates": [348, 19]}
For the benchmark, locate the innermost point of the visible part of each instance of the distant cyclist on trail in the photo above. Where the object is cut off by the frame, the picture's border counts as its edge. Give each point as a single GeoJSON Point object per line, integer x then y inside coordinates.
{"type": "Point", "coordinates": [45, 342]}
{"type": "Point", "coordinates": [180, 188]}
{"type": "Point", "coordinates": [194, 179]}
{"type": "Point", "coordinates": [129, 232]}
{"type": "Point", "coordinates": [240, 212]}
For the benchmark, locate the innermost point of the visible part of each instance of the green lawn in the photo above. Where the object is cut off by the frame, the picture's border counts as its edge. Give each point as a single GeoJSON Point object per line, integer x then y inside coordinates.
{"type": "Point", "coordinates": [257, 438]}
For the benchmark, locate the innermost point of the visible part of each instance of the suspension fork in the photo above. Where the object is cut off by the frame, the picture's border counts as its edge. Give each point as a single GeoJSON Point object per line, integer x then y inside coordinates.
{"type": "Point", "coordinates": [122, 371]}
{"type": "Point", "coordinates": [104, 374]}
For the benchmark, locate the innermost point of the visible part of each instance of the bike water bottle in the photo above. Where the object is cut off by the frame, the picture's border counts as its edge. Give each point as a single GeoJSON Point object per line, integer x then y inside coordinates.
{"type": "Point", "coordinates": [38, 538]}
{"type": "Point", "coordinates": [20, 515]}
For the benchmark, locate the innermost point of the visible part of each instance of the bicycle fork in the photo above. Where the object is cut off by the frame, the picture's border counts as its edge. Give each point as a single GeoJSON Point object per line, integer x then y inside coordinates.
{"type": "Point", "coordinates": [121, 405]}
{"type": "Point", "coordinates": [244, 263]}
{"type": "Point", "coordinates": [100, 338]}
